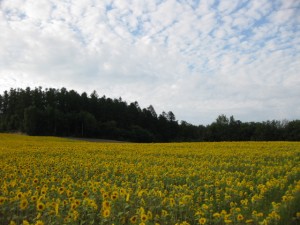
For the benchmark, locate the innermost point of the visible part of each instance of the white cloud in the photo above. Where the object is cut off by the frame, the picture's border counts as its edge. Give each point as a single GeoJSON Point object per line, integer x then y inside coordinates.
{"type": "Point", "coordinates": [199, 61]}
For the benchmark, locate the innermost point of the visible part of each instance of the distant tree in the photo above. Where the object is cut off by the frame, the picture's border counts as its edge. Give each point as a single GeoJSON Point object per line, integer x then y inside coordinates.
{"type": "Point", "coordinates": [31, 126]}
{"type": "Point", "coordinates": [170, 116]}
{"type": "Point", "coordinates": [141, 135]}
{"type": "Point", "coordinates": [152, 111]}
{"type": "Point", "coordinates": [88, 124]}
{"type": "Point", "coordinates": [222, 120]}
{"type": "Point", "coordinates": [292, 131]}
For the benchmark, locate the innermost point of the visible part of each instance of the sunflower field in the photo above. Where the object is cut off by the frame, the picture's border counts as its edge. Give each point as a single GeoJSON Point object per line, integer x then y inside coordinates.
{"type": "Point", "coordinates": [47, 180]}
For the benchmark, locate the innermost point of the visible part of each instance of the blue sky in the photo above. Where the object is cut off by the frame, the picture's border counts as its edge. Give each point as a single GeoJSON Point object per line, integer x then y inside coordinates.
{"type": "Point", "coordinates": [196, 58]}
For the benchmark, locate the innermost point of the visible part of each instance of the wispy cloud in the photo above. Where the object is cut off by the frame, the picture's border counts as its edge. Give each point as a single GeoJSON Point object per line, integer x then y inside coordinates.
{"type": "Point", "coordinates": [196, 58]}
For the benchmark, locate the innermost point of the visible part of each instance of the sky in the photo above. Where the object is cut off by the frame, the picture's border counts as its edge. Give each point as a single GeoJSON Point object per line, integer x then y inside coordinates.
{"type": "Point", "coordinates": [196, 58]}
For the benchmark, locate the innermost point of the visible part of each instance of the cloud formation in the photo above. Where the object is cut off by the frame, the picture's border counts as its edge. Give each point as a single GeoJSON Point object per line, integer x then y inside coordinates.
{"type": "Point", "coordinates": [196, 58]}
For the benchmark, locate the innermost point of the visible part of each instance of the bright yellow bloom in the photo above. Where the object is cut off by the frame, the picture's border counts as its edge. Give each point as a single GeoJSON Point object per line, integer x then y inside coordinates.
{"type": "Point", "coordinates": [40, 206]}
{"type": "Point", "coordinates": [2, 200]}
{"type": "Point", "coordinates": [133, 219]}
{"type": "Point", "coordinates": [240, 217]}
{"type": "Point", "coordinates": [20, 195]}
{"type": "Point", "coordinates": [184, 223]}
{"type": "Point", "coordinates": [202, 220]}
{"type": "Point", "coordinates": [172, 202]}
{"type": "Point", "coordinates": [149, 215]}
{"type": "Point", "coordinates": [106, 205]}
{"type": "Point", "coordinates": [25, 222]}
{"type": "Point", "coordinates": [39, 222]}
{"type": "Point", "coordinates": [216, 215]}
{"type": "Point", "coordinates": [85, 193]}
{"type": "Point", "coordinates": [23, 204]}
{"type": "Point", "coordinates": [144, 218]}
{"type": "Point", "coordinates": [164, 213]}
{"type": "Point", "coordinates": [106, 213]}
{"type": "Point", "coordinates": [114, 195]}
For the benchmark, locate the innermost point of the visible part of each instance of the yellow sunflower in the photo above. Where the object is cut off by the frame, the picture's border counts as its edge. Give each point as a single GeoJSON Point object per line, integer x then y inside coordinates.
{"type": "Point", "coordinates": [40, 206]}
{"type": "Point", "coordinates": [23, 204]}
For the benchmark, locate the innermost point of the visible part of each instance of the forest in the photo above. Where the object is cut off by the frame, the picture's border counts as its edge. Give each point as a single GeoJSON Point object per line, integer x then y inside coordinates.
{"type": "Point", "coordinates": [67, 113]}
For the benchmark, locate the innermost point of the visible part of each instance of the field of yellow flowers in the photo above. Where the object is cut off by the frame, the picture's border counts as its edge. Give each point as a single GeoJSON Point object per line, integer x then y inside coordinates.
{"type": "Point", "coordinates": [47, 180]}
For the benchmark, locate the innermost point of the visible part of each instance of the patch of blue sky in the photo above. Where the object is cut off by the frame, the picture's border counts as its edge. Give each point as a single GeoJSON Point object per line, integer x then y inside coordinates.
{"type": "Point", "coordinates": [80, 37]}
{"type": "Point", "coordinates": [195, 4]}
{"type": "Point", "coordinates": [192, 3]}
{"type": "Point", "coordinates": [261, 21]}
{"type": "Point", "coordinates": [276, 4]}
{"type": "Point", "coordinates": [242, 4]}
{"type": "Point", "coordinates": [137, 32]}
{"type": "Point", "coordinates": [219, 19]}
{"type": "Point", "coordinates": [158, 2]}
{"type": "Point", "coordinates": [14, 14]}
{"type": "Point", "coordinates": [166, 27]}
{"type": "Point", "coordinates": [250, 59]}
{"type": "Point", "coordinates": [191, 67]}
{"type": "Point", "coordinates": [109, 7]}
{"type": "Point", "coordinates": [215, 4]}
{"type": "Point", "coordinates": [246, 34]}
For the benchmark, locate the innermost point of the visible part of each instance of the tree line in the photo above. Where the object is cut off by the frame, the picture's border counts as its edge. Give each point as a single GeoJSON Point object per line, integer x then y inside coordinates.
{"type": "Point", "coordinates": [62, 112]}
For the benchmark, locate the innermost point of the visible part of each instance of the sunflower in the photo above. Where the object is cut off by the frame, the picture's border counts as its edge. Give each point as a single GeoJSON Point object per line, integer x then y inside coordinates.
{"type": "Point", "coordinates": [40, 206]}
{"type": "Point", "coordinates": [73, 206]}
{"type": "Point", "coordinates": [75, 215]}
{"type": "Point", "coordinates": [85, 193]}
{"type": "Point", "coordinates": [25, 222]}
{"type": "Point", "coordinates": [240, 217]}
{"type": "Point", "coordinates": [184, 223]}
{"type": "Point", "coordinates": [20, 195]}
{"type": "Point", "coordinates": [106, 213]}
{"type": "Point", "coordinates": [39, 222]}
{"type": "Point", "coordinates": [61, 190]}
{"type": "Point", "coordinates": [77, 202]}
{"type": "Point", "coordinates": [122, 191]}
{"type": "Point", "coordinates": [106, 205]}
{"type": "Point", "coordinates": [69, 193]}
{"type": "Point", "coordinates": [23, 204]}
{"type": "Point", "coordinates": [172, 202]}
{"type": "Point", "coordinates": [105, 195]}
{"type": "Point", "coordinates": [2, 200]}
{"type": "Point", "coordinates": [202, 220]}
{"type": "Point", "coordinates": [164, 213]}
{"type": "Point", "coordinates": [149, 215]}
{"type": "Point", "coordinates": [114, 195]}
{"type": "Point", "coordinates": [144, 218]}
{"type": "Point", "coordinates": [133, 219]}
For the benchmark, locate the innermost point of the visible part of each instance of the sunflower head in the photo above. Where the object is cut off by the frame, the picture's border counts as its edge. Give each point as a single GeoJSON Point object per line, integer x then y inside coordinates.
{"type": "Point", "coordinates": [202, 220]}
{"type": "Point", "coordinates": [23, 204]}
{"type": "Point", "coordinates": [133, 219]}
{"type": "Point", "coordinates": [106, 213]}
{"type": "Point", "coordinates": [40, 206]}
